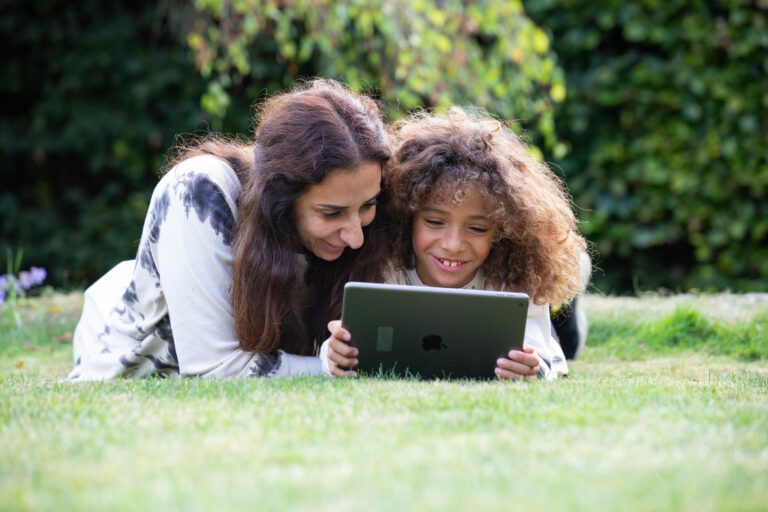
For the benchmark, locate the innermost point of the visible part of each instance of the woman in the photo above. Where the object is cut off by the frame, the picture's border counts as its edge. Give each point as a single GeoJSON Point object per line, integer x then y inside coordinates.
{"type": "Point", "coordinates": [246, 248]}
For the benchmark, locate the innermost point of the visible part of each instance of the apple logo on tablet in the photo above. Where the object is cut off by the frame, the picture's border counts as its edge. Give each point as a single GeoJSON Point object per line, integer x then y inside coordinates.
{"type": "Point", "coordinates": [432, 342]}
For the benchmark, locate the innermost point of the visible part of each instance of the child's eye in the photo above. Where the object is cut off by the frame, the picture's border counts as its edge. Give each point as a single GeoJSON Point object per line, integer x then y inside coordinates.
{"type": "Point", "coordinates": [433, 222]}
{"type": "Point", "coordinates": [480, 230]}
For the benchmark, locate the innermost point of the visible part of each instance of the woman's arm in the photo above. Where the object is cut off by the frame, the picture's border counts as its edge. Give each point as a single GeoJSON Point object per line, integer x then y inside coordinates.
{"type": "Point", "coordinates": [193, 255]}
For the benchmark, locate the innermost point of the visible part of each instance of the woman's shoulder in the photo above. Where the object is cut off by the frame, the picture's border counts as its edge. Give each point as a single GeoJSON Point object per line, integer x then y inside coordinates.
{"type": "Point", "coordinates": [200, 180]}
{"type": "Point", "coordinates": [203, 168]}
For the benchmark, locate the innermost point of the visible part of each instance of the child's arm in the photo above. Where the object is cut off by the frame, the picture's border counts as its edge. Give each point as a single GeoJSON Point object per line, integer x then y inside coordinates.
{"type": "Point", "coordinates": [519, 364]}
{"type": "Point", "coordinates": [538, 335]}
{"type": "Point", "coordinates": [336, 354]}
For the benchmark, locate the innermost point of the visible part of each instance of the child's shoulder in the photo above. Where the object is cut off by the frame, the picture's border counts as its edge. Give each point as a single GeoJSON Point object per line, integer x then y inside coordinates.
{"type": "Point", "coordinates": [394, 275]}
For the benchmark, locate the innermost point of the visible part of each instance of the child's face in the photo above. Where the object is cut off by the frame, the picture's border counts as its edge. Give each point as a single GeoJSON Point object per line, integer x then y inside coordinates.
{"type": "Point", "coordinates": [451, 243]}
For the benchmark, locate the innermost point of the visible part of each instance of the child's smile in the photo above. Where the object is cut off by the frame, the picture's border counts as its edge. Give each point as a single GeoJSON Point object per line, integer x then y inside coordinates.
{"type": "Point", "coordinates": [450, 243]}
{"type": "Point", "coordinates": [450, 265]}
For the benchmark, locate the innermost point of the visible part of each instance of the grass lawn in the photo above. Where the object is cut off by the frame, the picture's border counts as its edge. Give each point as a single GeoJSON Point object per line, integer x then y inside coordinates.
{"type": "Point", "coordinates": [667, 409]}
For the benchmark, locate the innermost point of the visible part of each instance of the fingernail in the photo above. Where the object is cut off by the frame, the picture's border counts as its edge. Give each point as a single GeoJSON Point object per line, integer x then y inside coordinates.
{"type": "Point", "coordinates": [497, 371]}
{"type": "Point", "coordinates": [499, 362]}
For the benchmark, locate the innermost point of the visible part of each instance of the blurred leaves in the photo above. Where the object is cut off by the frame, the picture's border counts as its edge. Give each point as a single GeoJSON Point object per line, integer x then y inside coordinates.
{"type": "Point", "coordinates": [412, 54]}
{"type": "Point", "coordinates": [93, 93]}
{"type": "Point", "coordinates": [667, 120]}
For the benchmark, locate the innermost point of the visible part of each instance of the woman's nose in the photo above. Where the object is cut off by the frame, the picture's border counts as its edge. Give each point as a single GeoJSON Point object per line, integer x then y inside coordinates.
{"type": "Point", "coordinates": [352, 234]}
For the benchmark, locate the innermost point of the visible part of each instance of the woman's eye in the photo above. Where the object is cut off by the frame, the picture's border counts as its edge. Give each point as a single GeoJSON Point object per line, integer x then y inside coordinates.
{"type": "Point", "coordinates": [331, 214]}
{"type": "Point", "coordinates": [368, 206]}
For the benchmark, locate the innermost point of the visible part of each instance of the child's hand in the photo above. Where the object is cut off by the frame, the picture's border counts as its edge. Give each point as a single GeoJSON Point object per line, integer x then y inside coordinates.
{"type": "Point", "coordinates": [520, 364]}
{"type": "Point", "coordinates": [342, 357]}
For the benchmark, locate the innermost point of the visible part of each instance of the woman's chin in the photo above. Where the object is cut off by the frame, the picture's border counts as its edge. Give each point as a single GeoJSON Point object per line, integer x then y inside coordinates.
{"type": "Point", "coordinates": [329, 255]}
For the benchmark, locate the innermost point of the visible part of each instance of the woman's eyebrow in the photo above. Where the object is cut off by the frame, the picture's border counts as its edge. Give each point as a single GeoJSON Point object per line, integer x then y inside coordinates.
{"type": "Point", "coordinates": [325, 206]}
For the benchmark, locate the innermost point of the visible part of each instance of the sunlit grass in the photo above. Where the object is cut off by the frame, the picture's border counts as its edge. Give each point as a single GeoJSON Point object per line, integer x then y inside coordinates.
{"type": "Point", "coordinates": [663, 427]}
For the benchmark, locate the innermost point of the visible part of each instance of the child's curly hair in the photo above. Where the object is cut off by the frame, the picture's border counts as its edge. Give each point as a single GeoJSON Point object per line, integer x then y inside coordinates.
{"type": "Point", "coordinates": [536, 248]}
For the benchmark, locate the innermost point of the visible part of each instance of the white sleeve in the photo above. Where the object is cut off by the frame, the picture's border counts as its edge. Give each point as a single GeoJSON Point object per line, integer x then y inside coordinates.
{"type": "Point", "coordinates": [194, 257]}
{"type": "Point", "coordinates": [538, 335]}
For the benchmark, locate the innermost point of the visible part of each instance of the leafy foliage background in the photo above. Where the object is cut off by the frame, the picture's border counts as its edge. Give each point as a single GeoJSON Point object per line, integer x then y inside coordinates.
{"type": "Point", "coordinates": [655, 113]}
{"type": "Point", "coordinates": [667, 124]}
{"type": "Point", "coordinates": [92, 93]}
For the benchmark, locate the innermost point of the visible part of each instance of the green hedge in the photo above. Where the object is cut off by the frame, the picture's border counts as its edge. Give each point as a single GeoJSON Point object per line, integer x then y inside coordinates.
{"type": "Point", "coordinates": [93, 93]}
{"type": "Point", "coordinates": [666, 117]}
{"type": "Point", "coordinates": [662, 134]}
{"type": "Point", "coordinates": [411, 55]}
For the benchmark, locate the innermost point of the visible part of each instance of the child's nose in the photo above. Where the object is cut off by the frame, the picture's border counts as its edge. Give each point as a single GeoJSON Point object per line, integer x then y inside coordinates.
{"type": "Point", "coordinates": [452, 240]}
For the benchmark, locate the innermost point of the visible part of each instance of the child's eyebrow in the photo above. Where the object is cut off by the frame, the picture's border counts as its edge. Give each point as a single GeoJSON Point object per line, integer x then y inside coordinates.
{"type": "Point", "coordinates": [340, 207]}
{"type": "Point", "coordinates": [445, 212]}
{"type": "Point", "coordinates": [433, 210]}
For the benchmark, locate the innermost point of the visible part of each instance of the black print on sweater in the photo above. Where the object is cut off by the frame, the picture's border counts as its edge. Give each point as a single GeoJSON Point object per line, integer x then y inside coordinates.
{"type": "Point", "coordinates": [164, 332]}
{"type": "Point", "coordinates": [130, 297]}
{"type": "Point", "coordinates": [128, 364]}
{"type": "Point", "coordinates": [163, 366]}
{"type": "Point", "coordinates": [209, 203]}
{"type": "Point", "coordinates": [156, 218]}
{"type": "Point", "coordinates": [104, 347]}
{"type": "Point", "coordinates": [265, 365]}
{"type": "Point", "coordinates": [124, 315]}
{"type": "Point", "coordinates": [158, 215]}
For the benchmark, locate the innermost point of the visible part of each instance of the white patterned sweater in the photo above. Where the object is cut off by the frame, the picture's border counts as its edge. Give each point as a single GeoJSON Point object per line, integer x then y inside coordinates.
{"type": "Point", "coordinates": [538, 326]}
{"type": "Point", "coordinates": [169, 311]}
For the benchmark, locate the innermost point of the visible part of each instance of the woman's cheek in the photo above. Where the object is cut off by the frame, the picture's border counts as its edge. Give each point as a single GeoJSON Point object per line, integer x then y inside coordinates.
{"type": "Point", "coordinates": [368, 217]}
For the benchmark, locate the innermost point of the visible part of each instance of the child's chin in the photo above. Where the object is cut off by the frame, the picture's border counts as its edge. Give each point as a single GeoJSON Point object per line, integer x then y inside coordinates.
{"type": "Point", "coordinates": [451, 282]}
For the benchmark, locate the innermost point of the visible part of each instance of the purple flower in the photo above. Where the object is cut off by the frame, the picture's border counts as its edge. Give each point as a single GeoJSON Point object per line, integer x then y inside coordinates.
{"type": "Point", "coordinates": [38, 275]}
{"type": "Point", "coordinates": [32, 277]}
{"type": "Point", "coordinates": [9, 279]}
{"type": "Point", "coordinates": [4, 286]}
{"type": "Point", "coordinates": [26, 280]}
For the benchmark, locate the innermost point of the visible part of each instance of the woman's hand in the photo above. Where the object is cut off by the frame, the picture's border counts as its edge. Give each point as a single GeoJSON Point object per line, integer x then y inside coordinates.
{"type": "Point", "coordinates": [519, 364]}
{"type": "Point", "coordinates": [342, 357]}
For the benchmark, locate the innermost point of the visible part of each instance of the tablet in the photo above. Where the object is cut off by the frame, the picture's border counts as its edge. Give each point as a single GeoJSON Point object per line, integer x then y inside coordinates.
{"type": "Point", "coordinates": [432, 332]}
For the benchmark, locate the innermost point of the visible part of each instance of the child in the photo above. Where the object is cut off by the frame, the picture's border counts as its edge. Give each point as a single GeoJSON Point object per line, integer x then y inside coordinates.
{"type": "Point", "coordinates": [470, 207]}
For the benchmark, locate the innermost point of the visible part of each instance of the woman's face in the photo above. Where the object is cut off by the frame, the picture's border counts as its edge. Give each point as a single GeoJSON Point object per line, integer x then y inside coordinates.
{"type": "Point", "coordinates": [330, 216]}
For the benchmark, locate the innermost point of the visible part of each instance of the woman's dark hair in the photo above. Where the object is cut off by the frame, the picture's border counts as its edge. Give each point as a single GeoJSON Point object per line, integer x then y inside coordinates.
{"type": "Point", "coordinates": [301, 137]}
